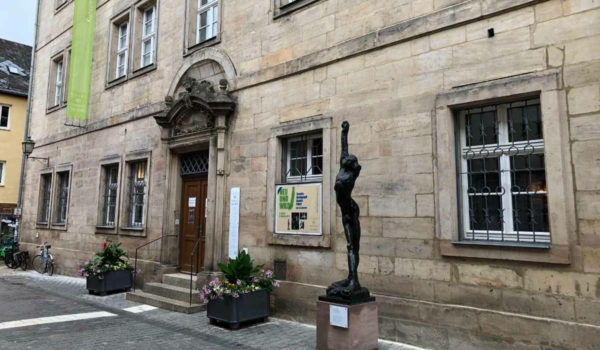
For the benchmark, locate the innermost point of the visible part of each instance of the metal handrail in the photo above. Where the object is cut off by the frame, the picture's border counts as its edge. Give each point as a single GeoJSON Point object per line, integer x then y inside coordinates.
{"type": "Point", "coordinates": [136, 254]}
{"type": "Point", "coordinates": [192, 265]}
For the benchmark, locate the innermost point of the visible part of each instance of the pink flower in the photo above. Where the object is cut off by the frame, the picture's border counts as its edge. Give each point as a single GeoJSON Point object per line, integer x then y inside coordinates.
{"type": "Point", "coordinates": [255, 280]}
{"type": "Point", "coordinates": [239, 283]}
{"type": "Point", "coordinates": [269, 273]}
{"type": "Point", "coordinates": [276, 284]}
{"type": "Point", "coordinates": [104, 245]}
{"type": "Point", "coordinates": [236, 295]}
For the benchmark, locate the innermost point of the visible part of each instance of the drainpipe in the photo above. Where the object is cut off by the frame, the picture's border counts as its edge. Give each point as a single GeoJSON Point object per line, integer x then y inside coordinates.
{"type": "Point", "coordinates": [28, 112]}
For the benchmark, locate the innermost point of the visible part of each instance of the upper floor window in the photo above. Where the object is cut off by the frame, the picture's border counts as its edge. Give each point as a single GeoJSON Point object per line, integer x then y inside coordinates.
{"type": "Point", "coordinates": [502, 173]}
{"type": "Point", "coordinates": [60, 3]}
{"type": "Point", "coordinates": [148, 36]}
{"type": "Point", "coordinates": [57, 86]}
{"type": "Point", "coordinates": [122, 50]}
{"type": "Point", "coordinates": [2, 171]}
{"type": "Point", "coordinates": [304, 158]}
{"type": "Point", "coordinates": [283, 7]}
{"type": "Point", "coordinates": [4, 117]}
{"type": "Point", "coordinates": [208, 20]}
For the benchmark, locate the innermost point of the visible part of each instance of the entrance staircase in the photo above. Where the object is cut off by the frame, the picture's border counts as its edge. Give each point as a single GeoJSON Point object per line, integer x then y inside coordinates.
{"type": "Point", "coordinates": [172, 294]}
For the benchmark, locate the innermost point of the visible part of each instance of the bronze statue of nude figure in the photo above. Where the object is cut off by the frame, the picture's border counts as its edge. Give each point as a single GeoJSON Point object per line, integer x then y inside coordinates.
{"type": "Point", "coordinates": [348, 288]}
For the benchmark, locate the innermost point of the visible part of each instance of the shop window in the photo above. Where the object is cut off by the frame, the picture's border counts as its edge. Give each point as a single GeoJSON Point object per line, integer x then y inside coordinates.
{"type": "Point", "coordinates": [501, 173]}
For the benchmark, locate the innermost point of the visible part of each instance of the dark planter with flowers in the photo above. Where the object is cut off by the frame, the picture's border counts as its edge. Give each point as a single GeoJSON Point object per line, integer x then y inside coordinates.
{"type": "Point", "coordinates": [242, 295]}
{"type": "Point", "coordinates": [109, 271]}
{"type": "Point", "coordinates": [248, 307]}
{"type": "Point", "coordinates": [111, 282]}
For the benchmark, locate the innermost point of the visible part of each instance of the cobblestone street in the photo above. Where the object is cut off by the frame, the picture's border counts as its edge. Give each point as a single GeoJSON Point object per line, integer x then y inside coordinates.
{"type": "Point", "coordinates": [30, 296]}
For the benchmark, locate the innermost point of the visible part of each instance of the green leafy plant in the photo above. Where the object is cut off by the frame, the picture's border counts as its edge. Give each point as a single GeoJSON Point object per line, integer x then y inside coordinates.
{"type": "Point", "coordinates": [240, 269]}
{"type": "Point", "coordinates": [111, 258]}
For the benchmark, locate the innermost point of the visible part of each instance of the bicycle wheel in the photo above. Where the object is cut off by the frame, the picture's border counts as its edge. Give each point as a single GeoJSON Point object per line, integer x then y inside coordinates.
{"type": "Point", "coordinates": [10, 261]}
{"type": "Point", "coordinates": [38, 264]}
{"type": "Point", "coordinates": [50, 268]}
{"type": "Point", "coordinates": [24, 264]}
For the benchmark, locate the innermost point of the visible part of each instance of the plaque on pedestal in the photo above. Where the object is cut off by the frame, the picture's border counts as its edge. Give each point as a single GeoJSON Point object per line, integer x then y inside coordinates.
{"type": "Point", "coordinates": [347, 327]}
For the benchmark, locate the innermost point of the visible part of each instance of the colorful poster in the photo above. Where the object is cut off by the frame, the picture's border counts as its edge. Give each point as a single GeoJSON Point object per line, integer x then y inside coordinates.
{"type": "Point", "coordinates": [298, 209]}
{"type": "Point", "coordinates": [82, 50]}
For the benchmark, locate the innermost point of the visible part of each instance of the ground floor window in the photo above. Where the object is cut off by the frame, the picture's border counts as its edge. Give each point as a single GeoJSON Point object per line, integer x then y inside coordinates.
{"type": "Point", "coordinates": [45, 196]}
{"type": "Point", "coordinates": [501, 173]}
{"type": "Point", "coordinates": [62, 199]}
{"type": "Point", "coordinates": [137, 193]}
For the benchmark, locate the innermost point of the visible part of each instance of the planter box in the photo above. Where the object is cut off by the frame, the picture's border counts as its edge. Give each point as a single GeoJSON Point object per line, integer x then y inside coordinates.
{"type": "Point", "coordinates": [248, 307]}
{"type": "Point", "coordinates": [112, 281]}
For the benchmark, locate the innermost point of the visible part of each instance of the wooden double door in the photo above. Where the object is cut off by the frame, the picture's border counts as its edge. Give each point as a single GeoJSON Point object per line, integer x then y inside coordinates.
{"type": "Point", "coordinates": [193, 224]}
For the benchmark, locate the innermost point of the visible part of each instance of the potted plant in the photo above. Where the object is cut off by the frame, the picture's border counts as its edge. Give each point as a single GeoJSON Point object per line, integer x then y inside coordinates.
{"type": "Point", "coordinates": [241, 295]}
{"type": "Point", "coordinates": [109, 271]}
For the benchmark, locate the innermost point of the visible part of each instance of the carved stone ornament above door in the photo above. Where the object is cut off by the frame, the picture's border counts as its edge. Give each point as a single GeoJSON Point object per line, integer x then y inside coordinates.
{"type": "Point", "coordinates": [197, 109]}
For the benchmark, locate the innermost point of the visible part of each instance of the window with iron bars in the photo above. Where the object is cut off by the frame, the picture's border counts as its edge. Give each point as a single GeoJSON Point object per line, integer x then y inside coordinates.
{"type": "Point", "coordinates": [501, 173]}
{"type": "Point", "coordinates": [137, 194]}
{"type": "Point", "coordinates": [62, 198]}
{"type": "Point", "coordinates": [304, 158]}
{"type": "Point", "coordinates": [111, 185]}
{"type": "Point", "coordinates": [45, 195]}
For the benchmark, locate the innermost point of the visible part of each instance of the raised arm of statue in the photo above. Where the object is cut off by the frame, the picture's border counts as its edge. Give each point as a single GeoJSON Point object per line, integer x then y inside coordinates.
{"type": "Point", "coordinates": [345, 129]}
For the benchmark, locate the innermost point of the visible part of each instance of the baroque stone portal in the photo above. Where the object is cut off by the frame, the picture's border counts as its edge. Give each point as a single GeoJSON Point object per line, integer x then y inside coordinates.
{"type": "Point", "coordinates": [349, 289]}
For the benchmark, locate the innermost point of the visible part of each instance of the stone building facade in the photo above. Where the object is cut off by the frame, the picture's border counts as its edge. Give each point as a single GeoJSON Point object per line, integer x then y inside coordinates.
{"type": "Point", "coordinates": [467, 243]}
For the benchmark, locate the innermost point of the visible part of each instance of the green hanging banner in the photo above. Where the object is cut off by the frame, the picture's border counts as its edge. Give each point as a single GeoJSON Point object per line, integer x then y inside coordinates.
{"type": "Point", "coordinates": [82, 50]}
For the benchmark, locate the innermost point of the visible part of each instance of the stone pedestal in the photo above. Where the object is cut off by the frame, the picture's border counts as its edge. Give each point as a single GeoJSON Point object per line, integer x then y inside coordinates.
{"type": "Point", "coordinates": [362, 332]}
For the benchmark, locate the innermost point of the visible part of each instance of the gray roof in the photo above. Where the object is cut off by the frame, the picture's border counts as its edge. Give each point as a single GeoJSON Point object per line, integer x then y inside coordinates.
{"type": "Point", "coordinates": [15, 60]}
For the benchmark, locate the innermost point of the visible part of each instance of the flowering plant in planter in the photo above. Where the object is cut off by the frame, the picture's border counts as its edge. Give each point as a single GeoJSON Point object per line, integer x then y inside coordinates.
{"type": "Point", "coordinates": [240, 277]}
{"type": "Point", "coordinates": [111, 258]}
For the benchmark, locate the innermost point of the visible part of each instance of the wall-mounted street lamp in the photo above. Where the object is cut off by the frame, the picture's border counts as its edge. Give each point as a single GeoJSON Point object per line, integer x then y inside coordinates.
{"type": "Point", "coordinates": [28, 149]}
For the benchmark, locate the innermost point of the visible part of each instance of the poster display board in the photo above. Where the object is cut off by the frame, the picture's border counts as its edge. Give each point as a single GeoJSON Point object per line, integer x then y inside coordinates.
{"type": "Point", "coordinates": [234, 222]}
{"type": "Point", "coordinates": [298, 209]}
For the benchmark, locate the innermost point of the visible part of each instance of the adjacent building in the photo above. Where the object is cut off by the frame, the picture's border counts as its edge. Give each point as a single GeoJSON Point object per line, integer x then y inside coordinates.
{"type": "Point", "coordinates": [15, 60]}
{"type": "Point", "coordinates": [476, 123]}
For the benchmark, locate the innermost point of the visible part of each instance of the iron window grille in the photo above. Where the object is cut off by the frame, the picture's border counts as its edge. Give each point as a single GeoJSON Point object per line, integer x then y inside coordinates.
{"type": "Point", "coordinates": [148, 36]}
{"type": "Point", "coordinates": [45, 198]}
{"type": "Point", "coordinates": [207, 20]}
{"type": "Point", "coordinates": [111, 185]}
{"type": "Point", "coordinates": [304, 160]}
{"type": "Point", "coordinates": [63, 198]}
{"type": "Point", "coordinates": [137, 194]}
{"type": "Point", "coordinates": [194, 163]}
{"type": "Point", "coordinates": [501, 173]}
{"type": "Point", "coordinates": [4, 117]}
{"type": "Point", "coordinates": [122, 50]}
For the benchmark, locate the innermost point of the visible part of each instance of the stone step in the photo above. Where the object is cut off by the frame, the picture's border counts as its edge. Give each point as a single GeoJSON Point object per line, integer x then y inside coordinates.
{"type": "Point", "coordinates": [164, 303]}
{"type": "Point", "coordinates": [172, 292]}
{"type": "Point", "coordinates": [180, 280]}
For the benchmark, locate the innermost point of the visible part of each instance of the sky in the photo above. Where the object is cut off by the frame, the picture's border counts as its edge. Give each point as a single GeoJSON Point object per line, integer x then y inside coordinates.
{"type": "Point", "coordinates": [17, 20]}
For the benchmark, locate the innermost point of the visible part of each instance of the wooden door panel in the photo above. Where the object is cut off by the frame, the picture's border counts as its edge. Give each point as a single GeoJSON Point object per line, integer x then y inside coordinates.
{"type": "Point", "coordinates": [192, 224]}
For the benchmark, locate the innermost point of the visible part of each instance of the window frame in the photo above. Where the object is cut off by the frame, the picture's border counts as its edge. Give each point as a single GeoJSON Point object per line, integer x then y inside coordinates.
{"type": "Point", "coordinates": [148, 37]}
{"type": "Point", "coordinates": [109, 162]}
{"type": "Point", "coordinates": [122, 51]}
{"type": "Point", "coordinates": [63, 56]}
{"type": "Point", "coordinates": [2, 172]}
{"type": "Point", "coordinates": [58, 198]}
{"type": "Point", "coordinates": [280, 9]}
{"type": "Point", "coordinates": [310, 137]}
{"type": "Point", "coordinates": [208, 8]}
{"type": "Point", "coordinates": [191, 31]}
{"type": "Point", "coordinates": [125, 222]}
{"type": "Point", "coordinates": [58, 84]}
{"type": "Point", "coordinates": [559, 174]}
{"type": "Point", "coordinates": [9, 107]}
{"type": "Point", "coordinates": [508, 149]}
{"type": "Point", "coordinates": [45, 194]}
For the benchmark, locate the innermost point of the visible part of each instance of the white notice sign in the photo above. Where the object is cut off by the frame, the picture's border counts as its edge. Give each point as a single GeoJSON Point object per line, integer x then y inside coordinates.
{"type": "Point", "coordinates": [338, 316]}
{"type": "Point", "coordinates": [192, 202]}
{"type": "Point", "coordinates": [234, 222]}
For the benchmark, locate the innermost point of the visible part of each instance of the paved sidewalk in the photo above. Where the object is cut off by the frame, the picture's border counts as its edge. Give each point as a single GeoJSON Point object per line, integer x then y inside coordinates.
{"type": "Point", "coordinates": [154, 329]}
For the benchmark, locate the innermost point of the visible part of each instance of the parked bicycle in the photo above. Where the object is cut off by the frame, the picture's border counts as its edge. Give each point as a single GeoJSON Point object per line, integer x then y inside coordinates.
{"type": "Point", "coordinates": [20, 259]}
{"type": "Point", "coordinates": [44, 262]}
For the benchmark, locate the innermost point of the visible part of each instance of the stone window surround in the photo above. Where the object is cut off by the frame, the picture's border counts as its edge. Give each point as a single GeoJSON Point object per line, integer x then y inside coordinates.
{"type": "Point", "coordinates": [283, 10]}
{"type": "Point", "coordinates": [42, 173]}
{"type": "Point", "coordinates": [274, 174]}
{"type": "Point", "coordinates": [105, 162]}
{"type": "Point", "coordinates": [64, 56]}
{"type": "Point", "coordinates": [134, 14]}
{"type": "Point", "coordinates": [189, 42]}
{"type": "Point", "coordinates": [59, 5]}
{"type": "Point", "coordinates": [558, 170]}
{"type": "Point", "coordinates": [124, 227]}
{"type": "Point", "coordinates": [54, 197]}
